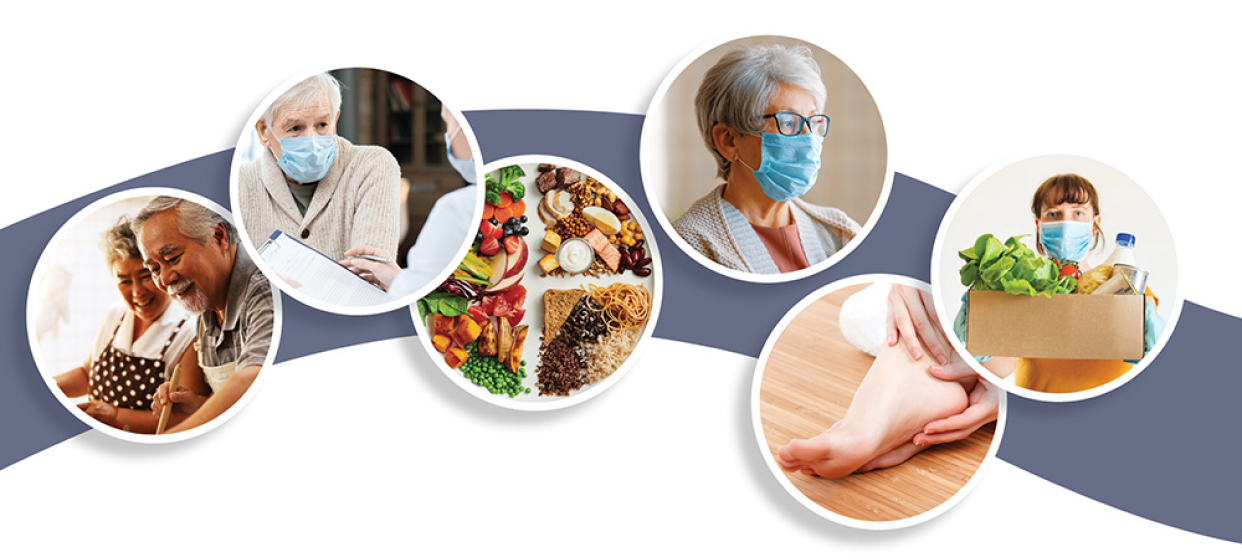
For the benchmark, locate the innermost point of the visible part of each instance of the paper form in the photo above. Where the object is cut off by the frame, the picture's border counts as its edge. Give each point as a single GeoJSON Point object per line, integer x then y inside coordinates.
{"type": "Point", "coordinates": [316, 275]}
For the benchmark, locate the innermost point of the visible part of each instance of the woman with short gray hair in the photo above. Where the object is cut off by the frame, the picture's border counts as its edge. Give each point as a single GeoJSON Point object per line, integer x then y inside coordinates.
{"type": "Point", "coordinates": [141, 340]}
{"type": "Point", "coordinates": [315, 186]}
{"type": "Point", "coordinates": [761, 107]}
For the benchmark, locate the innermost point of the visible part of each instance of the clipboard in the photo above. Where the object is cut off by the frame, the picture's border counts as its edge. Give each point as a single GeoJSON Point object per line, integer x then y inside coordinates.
{"type": "Point", "coordinates": [314, 274]}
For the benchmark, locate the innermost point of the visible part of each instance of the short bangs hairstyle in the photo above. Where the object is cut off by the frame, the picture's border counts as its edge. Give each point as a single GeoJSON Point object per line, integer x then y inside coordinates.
{"type": "Point", "coordinates": [736, 91]}
{"type": "Point", "coordinates": [311, 92]}
{"type": "Point", "coordinates": [119, 243]}
{"type": "Point", "coordinates": [193, 220]}
{"type": "Point", "coordinates": [1060, 189]}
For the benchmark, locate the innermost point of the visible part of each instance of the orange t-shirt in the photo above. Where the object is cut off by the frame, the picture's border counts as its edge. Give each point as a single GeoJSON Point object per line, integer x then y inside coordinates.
{"type": "Point", "coordinates": [1050, 375]}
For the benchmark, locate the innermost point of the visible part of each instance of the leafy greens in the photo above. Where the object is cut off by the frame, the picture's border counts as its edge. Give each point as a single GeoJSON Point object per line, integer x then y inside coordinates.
{"type": "Point", "coordinates": [507, 183]}
{"type": "Point", "coordinates": [442, 303]}
{"type": "Point", "coordinates": [1011, 267]}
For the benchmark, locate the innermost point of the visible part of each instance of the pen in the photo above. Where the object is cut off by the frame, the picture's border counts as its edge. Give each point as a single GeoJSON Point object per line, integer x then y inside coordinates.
{"type": "Point", "coordinates": [372, 258]}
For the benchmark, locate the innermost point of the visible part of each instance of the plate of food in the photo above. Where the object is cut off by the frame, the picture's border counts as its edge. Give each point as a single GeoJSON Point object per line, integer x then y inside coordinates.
{"type": "Point", "coordinates": [559, 290]}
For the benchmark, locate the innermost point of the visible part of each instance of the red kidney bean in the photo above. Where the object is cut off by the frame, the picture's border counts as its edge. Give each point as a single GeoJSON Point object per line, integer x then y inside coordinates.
{"type": "Point", "coordinates": [642, 271]}
{"type": "Point", "coordinates": [642, 263]}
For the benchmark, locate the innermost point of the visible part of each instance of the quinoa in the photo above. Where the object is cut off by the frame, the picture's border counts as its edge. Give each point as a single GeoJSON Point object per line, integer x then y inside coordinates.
{"type": "Point", "coordinates": [604, 357]}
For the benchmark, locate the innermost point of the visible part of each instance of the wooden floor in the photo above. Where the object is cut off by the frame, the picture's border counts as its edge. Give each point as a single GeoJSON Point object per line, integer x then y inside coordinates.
{"type": "Point", "coordinates": [808, 382]}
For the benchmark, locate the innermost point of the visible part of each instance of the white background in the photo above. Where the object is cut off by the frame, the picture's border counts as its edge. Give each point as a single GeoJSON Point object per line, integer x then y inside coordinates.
{"type": "Point", "coordinates": [370, 451]}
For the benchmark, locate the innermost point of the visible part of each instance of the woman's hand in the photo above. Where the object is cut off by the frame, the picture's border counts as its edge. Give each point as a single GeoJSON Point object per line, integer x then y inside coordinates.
{"type": "Point", "coordinates": [189, 400]}
{"type": "Point", "coordinates": [912, 317]}
{"type": "Point", "coordinates": [983, 405]}
{"type": "Point", "coordinates": [379, 273]}
{"type": "Point", "coordinates": [100, 411]}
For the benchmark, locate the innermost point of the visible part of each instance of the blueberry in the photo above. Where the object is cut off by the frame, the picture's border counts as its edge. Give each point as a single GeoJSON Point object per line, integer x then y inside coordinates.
{"type": "Point", "coordinates": [522, 219]}
{"type": "Point", "coordinates": [493, 221]}
{"type": "Point", "coordinates": [478, 237]}
{"type": "Point", "coordinates": [524, 231]}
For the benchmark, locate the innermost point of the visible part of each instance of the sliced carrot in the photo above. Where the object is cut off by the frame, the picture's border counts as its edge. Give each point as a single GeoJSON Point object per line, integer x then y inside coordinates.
{"type": "Point", "coordinates": [488, 209]}
{"type": "Point", "coordinates": [502, 215]}
{"type": "Point", "coordinates": [518, 208]}
{"type": "Point", "coordinates": [505, 200]}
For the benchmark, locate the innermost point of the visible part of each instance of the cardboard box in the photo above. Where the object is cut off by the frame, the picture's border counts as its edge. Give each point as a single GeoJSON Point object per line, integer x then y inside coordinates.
{"type": "Point", "coordinates": [1067, 326]}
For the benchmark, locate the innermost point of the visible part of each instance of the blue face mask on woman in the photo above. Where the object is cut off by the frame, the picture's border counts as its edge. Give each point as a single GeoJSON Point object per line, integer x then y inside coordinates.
{"type": "Point", "coordinates": [307, 159]}
{"type": "Point", "coordinates": [1066, 240]}
{"type": "Point", "coordinates": [790, 165]}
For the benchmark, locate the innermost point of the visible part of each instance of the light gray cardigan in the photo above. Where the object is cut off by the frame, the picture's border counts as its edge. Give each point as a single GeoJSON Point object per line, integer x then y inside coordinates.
{"type": "Point", "coordinates": [718, 231]}
{"type": "Point", "coordinates": [357, 203]}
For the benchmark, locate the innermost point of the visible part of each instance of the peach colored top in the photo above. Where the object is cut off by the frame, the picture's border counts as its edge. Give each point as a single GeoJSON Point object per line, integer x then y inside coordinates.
{"type": "Point", "coordinates": [784, 246]}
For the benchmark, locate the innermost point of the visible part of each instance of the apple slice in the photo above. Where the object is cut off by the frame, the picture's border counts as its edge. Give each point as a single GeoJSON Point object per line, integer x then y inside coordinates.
{"type": "Point", "coordinates": [498, 262]}
{"type": "Point", "coordinates": [517, 261]}
{"type": "Point", "coordinates": [505, 283]}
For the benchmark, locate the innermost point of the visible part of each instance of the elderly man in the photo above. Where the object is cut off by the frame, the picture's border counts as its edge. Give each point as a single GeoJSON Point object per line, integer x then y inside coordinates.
{"type": "Point", "coordinates": [192, 254]}
{"type": "Point", "coordinates": [314, 185]}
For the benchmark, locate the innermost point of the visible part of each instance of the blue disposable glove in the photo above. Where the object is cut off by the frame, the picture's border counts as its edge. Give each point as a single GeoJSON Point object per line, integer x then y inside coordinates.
{"type": "Point", "coordinates": [959, 326]}
{"type": "Point", "coordinates": [1153, 327]}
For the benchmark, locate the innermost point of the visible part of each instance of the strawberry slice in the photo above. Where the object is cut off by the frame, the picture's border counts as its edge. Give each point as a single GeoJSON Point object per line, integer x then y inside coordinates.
{"type": "Point", "coordinates": [490, 231]}
{"type": "Point", "coordinates": [513, 244]}
{"type": "Point", "coordinates": [489, 246]}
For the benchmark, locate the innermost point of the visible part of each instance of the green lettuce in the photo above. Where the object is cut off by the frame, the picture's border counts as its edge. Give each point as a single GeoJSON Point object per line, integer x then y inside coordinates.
{"type": "Point", "coordinates": [1011, 267]}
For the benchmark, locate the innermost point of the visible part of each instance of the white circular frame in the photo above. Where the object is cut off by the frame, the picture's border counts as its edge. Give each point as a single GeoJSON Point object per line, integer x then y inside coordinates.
{"type": "Point", "coordinates": [762, 442]}
{"type": "Point", "coordinates": [645, 155]}
{"type": "Point", "coordinates": [49, 376]}
{"type": "Point", "coordinates": [946, 320]}
{"type": "Point", "coordinates": [354, 310]}
{"type": "Point", "coordinates": [657, 296]}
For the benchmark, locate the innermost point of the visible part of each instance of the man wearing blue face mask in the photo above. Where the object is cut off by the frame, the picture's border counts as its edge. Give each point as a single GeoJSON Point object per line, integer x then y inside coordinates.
{"type": "Point", "coordinates": [760, 112]}
{"type": "Point", "coordinates": [314, 185]}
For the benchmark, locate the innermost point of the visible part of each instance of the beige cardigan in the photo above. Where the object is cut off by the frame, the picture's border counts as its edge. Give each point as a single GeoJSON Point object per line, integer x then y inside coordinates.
{"type": "Point", "coordinates": [718, 231]}
{"type": "Point", "coordinates": [357, 203]}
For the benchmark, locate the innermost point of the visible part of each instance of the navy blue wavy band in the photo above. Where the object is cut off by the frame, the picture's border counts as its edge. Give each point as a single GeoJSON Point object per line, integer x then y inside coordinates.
{"type": "Point", "coordinates": [1165, 446]}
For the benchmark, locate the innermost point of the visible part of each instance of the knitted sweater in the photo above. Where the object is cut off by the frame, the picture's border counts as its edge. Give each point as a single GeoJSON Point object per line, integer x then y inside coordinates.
{"type": "Point", "coordinates": [357, 203]}
{"type": "Point", "coordinates": [718, 231]}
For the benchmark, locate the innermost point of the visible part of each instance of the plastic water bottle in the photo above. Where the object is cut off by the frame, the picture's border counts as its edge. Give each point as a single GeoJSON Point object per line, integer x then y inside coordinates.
{"type": "Point", "coordinates": [1124, 253]}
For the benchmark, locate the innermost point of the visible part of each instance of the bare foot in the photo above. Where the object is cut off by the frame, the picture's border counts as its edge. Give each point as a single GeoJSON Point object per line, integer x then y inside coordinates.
{"type": "Point", "coordinates": [896, 399]}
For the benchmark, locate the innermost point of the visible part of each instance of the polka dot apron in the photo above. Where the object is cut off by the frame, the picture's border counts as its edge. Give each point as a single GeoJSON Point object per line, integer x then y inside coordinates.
{"type": "Point", "coordinates": [128, 381]}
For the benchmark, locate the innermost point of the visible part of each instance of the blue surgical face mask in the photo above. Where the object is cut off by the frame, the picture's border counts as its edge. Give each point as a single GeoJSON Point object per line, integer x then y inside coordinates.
{"type": "Point", "coordinates": [1066, 240]}
{"type": "Point", "coordinates": [790, 165]}
{"type": "Point", "coordinates": [465, 167]}
{"type": "Point", "coordinates": [307, 159]}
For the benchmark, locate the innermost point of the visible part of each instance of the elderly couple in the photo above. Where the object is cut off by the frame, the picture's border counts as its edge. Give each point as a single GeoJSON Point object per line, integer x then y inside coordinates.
{"type": "Point", "coordinates": [218, 335]}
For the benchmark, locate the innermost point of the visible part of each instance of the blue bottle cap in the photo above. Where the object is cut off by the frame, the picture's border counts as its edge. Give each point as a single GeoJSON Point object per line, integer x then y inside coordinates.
{"type": "Point", "coordinates": [1125, 240]}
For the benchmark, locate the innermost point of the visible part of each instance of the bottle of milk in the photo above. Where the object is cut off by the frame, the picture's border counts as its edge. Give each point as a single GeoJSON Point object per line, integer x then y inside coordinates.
{"type": "Point", "coordinates": [1127, 276]}
{"type": "Point", "coordinates": [1124, 253]}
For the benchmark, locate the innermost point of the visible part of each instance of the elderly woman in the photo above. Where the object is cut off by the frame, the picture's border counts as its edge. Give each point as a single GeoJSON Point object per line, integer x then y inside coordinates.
{"type": "Point", "coordinates": [760, 112]}
{"type": "Point", "coordinates": [314, 185]}
{"type": "Point", "coordinates": [141, 340]}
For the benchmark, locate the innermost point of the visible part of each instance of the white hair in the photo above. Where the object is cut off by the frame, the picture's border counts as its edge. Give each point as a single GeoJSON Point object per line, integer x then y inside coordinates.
{"type": "Point", "coordinates": [311, 92]}
{"type": "Point", "coordinates": [119, 243]}
{"type": "Point", "coordinates": [193, 220]}
{"type": "Point", "coordinates": [736, 91]}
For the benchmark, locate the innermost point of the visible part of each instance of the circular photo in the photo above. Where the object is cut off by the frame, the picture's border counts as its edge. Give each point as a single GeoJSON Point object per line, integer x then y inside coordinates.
{"type": "Point", "coordinates": [864, 413]}
{"type": "Point", "coordinates": [765, 158]}
{"type": "Point", "coordinates": [1057, 276]}
{"type": "Point", "coordinates": [147, 320]}
{"type": "Point", "coordinates": [562, 241]}
{"type": "Point", "coordinates": [355, 166]}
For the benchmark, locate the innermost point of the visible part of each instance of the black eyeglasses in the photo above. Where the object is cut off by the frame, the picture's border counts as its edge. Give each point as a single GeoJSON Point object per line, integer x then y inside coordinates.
{"type": "Point", "coordinates": [790, 124]}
